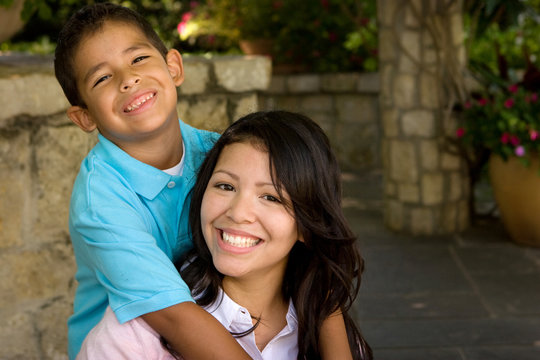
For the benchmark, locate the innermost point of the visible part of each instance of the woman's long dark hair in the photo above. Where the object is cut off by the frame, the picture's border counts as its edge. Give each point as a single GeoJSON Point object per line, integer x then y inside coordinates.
{"type": "Point", "coordinates": [323, 272]}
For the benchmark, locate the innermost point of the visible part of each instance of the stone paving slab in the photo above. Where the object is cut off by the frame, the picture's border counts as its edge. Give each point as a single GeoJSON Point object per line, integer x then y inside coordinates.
{"type": "Point", "coordinates": [471, 296]}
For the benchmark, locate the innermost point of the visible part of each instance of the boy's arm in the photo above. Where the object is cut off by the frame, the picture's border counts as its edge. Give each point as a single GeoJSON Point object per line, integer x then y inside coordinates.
{"type": "Point", "coordinates": [333, 340]}
{"type": "Point", "coordinates": [194, 333]}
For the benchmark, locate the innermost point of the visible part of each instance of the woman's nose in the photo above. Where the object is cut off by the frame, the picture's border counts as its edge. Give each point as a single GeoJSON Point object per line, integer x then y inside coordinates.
{"type": "Point", "coordinates": [241, 209]}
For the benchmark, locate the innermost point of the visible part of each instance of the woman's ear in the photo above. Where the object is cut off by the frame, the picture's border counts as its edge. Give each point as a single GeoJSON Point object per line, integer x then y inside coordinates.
{"type": "Point", "coordinates": [81, 118]}
{"type": "Point", "coordinates": [176, 67]}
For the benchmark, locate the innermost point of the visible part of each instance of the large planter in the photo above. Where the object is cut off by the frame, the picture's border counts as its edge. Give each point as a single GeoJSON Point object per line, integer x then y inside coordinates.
{"type": "Point", "coordinates": [516, 189]}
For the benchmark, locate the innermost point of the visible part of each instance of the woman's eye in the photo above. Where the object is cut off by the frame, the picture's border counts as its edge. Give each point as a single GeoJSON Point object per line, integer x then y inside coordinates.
{"type": "Point", "coordinates": [101, 79]}
{"type": "Point", "coordinates": [226, 187]}
{"type": "Point", "coordinates": [139, 58]}
{"type": "Point", "coordinates": [271, 198]}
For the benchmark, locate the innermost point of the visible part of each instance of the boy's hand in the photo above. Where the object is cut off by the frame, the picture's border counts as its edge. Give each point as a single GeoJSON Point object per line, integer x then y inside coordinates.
{"type": "Point", "coordinates": [194, 333]}
{"type": "Point", "coordinates": [333, 340]}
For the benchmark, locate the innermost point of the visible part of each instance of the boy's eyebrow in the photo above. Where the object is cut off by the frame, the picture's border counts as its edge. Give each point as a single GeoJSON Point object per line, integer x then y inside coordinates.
{"type": "Point", "coordinates": [96, 68]}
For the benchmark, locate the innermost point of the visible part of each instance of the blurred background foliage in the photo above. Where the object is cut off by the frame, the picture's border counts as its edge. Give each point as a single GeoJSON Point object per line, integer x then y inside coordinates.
{"type": "Point", "coordinates": [323, 35]}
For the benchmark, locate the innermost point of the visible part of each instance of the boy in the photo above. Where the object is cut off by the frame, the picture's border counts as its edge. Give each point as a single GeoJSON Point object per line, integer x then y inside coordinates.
{"type": "Point", "coordinates": [128, 212]}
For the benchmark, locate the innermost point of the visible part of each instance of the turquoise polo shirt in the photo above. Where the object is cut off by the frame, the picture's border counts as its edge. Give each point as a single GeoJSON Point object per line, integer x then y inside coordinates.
{"type": "Point", "coordinates": [128, 222]}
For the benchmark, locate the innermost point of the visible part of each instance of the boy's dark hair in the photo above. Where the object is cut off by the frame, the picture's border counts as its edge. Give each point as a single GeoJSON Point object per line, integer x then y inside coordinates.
{"type": "Point", "coordinates": [88, 21]}
{"type": "Point", "coordinates": [323, 272]}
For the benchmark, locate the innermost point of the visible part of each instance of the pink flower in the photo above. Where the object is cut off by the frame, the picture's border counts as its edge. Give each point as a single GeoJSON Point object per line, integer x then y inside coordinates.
{"type": "Point", "coordinates": [460, 132]}
{"type": "Point", "coordinates": [505, 137]}
{"type": "Point", "coordinates": [513, 88]}
{"type": "Point", "coordinates": [467, 105]}
{"type": "Point", "coordinates": [533, 134]}
{"type": "Point", "coordinates": [519, 151]}
{"type": "Point", "coordinates": [509, 103]}
{"type": "Point", "coordinates": [534, 97]}
{"type": "Point", "coordinates": [482, 102]}
{"type": "Point", "coordinates": [514, 140]}
{"type": "Point", "coordinates": [183, 24]}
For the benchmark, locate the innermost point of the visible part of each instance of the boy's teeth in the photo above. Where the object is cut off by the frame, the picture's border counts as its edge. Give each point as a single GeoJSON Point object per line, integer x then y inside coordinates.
{"type": "Point", "coordinates": [239, 241]}
{"type": "Point", "coordinates": [139, 103]}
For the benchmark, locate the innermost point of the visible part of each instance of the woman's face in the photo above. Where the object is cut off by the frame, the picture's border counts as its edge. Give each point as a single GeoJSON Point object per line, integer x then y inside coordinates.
{"type": "Point", "coordinates": [246, 225]}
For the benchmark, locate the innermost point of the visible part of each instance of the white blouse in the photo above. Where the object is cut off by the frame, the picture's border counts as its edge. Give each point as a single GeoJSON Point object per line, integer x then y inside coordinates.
{"type": "Point", "coordinates": [135, 339]}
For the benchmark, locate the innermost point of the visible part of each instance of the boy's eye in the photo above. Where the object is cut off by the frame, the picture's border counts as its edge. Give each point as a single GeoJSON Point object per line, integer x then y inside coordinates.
{"type": "Point", "coordinates": [101, 79]}
{"type": "Point", "coordinates": [226, 187]}
{"type": "Point", "coordinates": [139, 58]}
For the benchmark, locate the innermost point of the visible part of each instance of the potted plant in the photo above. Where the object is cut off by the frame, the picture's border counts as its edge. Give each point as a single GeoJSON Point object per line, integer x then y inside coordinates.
{"type": "Point", "coordinates": [504, 123]}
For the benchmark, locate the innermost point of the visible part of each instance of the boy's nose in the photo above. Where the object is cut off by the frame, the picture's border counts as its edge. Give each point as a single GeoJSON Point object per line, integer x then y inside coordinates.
{"type": "Point", "coordinates": [241, 210]}
{"type": "Point", "coordinates": [130, 81]}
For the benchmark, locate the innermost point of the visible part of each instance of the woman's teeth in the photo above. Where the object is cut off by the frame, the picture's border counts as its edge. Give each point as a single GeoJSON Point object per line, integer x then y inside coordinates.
{"type": "Point", "coordinates": [239, 241]}
{"type": "Point", "coordinates": [139, 102]}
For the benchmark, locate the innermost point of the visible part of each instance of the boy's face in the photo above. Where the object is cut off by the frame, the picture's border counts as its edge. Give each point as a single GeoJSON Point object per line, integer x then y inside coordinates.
{"type": "Point", "coordinates": [128, 88]}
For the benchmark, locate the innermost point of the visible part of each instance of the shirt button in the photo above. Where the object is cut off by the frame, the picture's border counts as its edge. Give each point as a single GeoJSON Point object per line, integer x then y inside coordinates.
{"type": "Point", "coordinates": [171, 184]}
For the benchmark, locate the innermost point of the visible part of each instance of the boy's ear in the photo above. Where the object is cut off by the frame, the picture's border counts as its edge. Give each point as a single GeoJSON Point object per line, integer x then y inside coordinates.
{"type": "Point", "coordinates": [81, 118]}
{"type": "Point", "coordinates": [176, 67]}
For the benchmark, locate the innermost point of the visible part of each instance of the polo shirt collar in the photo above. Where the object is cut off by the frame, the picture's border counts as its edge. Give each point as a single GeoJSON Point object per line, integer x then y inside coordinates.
{"type": "Point", "coordinates": [145, 180]}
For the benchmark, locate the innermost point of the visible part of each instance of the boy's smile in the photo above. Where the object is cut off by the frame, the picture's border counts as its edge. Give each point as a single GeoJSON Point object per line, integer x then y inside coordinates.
{"type": "Point", "coordinates": [128, 88]}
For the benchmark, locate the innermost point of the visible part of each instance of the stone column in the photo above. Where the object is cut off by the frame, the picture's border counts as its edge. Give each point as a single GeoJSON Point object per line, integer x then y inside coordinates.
{"type": "Point", "coordinates": [421, 60]}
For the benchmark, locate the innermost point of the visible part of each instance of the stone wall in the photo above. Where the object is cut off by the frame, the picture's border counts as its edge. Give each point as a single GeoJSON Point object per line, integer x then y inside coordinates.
{"type": "Point", "coordinates": [41, 150]}
{"type": "Point", "coordinates": [421, 51]}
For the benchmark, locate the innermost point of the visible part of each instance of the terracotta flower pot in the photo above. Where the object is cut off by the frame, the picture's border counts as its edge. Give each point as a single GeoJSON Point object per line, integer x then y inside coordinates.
{"type": "Point", "coordinates": [257, 46]}
{"type": "Point", "coordinates": [516, 189]}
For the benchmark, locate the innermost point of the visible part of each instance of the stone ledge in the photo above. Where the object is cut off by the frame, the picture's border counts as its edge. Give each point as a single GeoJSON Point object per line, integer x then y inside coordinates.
{"type": "Point", "coordinates": [28, 85]}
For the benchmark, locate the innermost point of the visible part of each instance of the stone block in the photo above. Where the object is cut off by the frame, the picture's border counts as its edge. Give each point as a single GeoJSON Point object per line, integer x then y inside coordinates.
{"type": "Point", "coordinates": [308, 83]}
{"type": "Point", "coordinates": [464, 216]}
{"type": "Point", "coordinates": [390, 189]}
{"type": "Point", "coordinates": [422, 221]}
{"type": "Point", "coordinates": [403, 163]}
{"type": "Point", "coordinates": [429, 91]}
{"type": "Point", "coordinates": [404, 91]}
{"type": "Point", "coordinates": [449, 217]}
{"type": "Point", "coordinates": [34, 94]}
{"type": "Point", "coordinates": [411, 45]}
{"type": "Point", "coordinates": [51, 323]}
{"type": "Point", "coordinates": [336, 82]}
{"type": "Point", "coordinates": [277, 85]}
{"type": "Point", "coordinates": [429, 154]}
{"type": "Point", "coordinates": [290, 103]}
{"type": "Point", "coordinates": [406, 65]}
{"type": "Point", "coordinates": [15, 186]}
{"type": "Point", "coordinates": [369, 83]}
{"type": "Point", "coordinates": [239, 74]}
{"type": "Point", "coordinates": [36, 275]}
{"type": "Point", "coordinates": [408, 192]}
{"type": "Point", "coordinates": [455, 186]}
{"type": "Point", "coordinates": [317, 103]}
{"type": "Point", "coordinates": [58, 154]}
{"type": "Point", "coordinates": [17, 336]}
{"type": "Point", "coordinates": [432, 188]}
{"type": "Point", "coordinates": [418, 123]}
{"type": "Point", "coordinates": [390, 123]}
{"type": "Point", "coordinates": [386, 11]}
{"type": "Point", "coordinates": [196, 76]}
{"type": "Point", "coordinates": [244, 105]}
{"type": "Point", "coordinates": [387, 82]}
{"type": "Point", "coordinates": [356, 146]}
{"type": "Point", "coordinates": [357, 108]}
{"type": "Point", "coordinates": [209, 113]}
{"type": "Point", "coordinates": [387, 48]}
{"type": "Point", "coordinates": [451, 161]}
{"type": "Point", "coordinates": [394, 215]}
